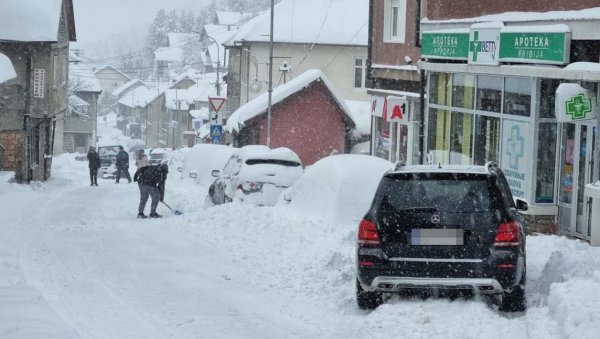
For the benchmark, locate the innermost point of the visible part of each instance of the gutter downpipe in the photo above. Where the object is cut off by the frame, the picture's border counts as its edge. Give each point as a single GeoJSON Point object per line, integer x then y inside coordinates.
{"type": "Point", "coordinates": [26, 173]}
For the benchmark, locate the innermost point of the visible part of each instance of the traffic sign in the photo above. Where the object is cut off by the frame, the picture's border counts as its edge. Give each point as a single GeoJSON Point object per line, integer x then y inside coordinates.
{"type": "Point", "coordinates": [216, 103]}
{"type": "Point", "coordinates": [216, 133]}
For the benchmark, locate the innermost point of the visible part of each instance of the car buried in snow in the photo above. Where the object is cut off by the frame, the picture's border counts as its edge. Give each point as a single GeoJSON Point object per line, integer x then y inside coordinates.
{"type": "Point", "coordinates": [444, 229]}
{"type": "Point", "coordinates": [255, 174]}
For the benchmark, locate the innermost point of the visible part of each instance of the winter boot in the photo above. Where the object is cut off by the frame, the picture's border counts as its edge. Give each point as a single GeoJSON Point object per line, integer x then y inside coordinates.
{"type": "Point", "coordinates": [142, 216]}
{"type": "Point", "coordinates": [155, 215]}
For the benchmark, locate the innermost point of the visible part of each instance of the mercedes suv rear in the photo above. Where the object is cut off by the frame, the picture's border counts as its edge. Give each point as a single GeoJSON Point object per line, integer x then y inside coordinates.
{"type": "Point", "coordinates": [434, 229]}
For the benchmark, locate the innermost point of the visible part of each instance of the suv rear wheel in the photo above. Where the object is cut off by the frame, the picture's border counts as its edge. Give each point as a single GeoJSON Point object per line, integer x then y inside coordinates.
{"type": "Point", "coordinates": [514, 301]}
{"type": "Point", "coordinates": [367, 300]}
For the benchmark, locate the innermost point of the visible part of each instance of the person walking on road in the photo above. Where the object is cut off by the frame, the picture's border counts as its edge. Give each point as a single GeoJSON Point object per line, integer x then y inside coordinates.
{"type": "Point", "coordinates": [141, 160]}
{"type": "Point", "coordinates": [122, 164]}
{"type": "Point", "coordinates": [150, 180]}
{"type": "Point", "coordinates": [94, 165]}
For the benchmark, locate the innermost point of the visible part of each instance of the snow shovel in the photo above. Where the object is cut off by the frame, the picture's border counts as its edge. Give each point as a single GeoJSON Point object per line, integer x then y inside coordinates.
{"type": "Point", "coordinates": [172, 210]}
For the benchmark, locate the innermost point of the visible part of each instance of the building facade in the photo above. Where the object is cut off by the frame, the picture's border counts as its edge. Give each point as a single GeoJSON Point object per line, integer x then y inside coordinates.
{"type": "Point", "coordinates": [394, 50]}
{"type": "Point", "coordinates": [519, 89]}
{"type": "Point", "coordinates": [33, 102]}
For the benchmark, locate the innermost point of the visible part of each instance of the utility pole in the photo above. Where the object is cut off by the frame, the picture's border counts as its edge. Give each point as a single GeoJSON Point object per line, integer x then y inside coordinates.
{"type": "Point", "coordinates": [269, 112]}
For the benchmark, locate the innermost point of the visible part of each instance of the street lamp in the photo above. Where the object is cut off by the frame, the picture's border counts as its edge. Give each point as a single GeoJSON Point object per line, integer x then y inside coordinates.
{"type": "Point", "coordinates": [218, 63]}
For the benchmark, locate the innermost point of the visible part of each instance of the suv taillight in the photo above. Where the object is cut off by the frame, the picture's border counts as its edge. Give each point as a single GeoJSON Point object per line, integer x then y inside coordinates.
{"type": "Point", "coordinates": [508, 234]}
{"type": "Point", "coordinates": [367, 233]}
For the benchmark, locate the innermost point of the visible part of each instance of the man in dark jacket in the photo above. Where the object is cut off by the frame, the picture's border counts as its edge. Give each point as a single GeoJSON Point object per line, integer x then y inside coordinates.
{"type": "Point", "coordinates": [93, 164]}
{"type": "Point", "coordinates": [150, 179]}
{"type": "Point", "coordinates": [122, 164]}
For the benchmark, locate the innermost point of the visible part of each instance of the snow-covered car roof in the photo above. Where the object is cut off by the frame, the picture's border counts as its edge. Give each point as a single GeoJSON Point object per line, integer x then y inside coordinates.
{"type": "Point", "coordinates": [202, 159]}
{"type": "Point", "coordinates": [161, 151]}
{"type": "Point", "coordinates": [264, 152]}
{"type": "Point", "coordinates": [330, 187]}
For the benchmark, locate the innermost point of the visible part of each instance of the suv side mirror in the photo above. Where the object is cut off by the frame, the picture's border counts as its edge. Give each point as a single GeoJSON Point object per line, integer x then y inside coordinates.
{"type": "Point", "coordinates": [215, 173]}
{"type": "Point", "coordinates": [522, 204]}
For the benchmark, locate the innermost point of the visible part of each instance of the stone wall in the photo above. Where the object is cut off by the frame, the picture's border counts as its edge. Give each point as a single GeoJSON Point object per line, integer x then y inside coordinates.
{"type": "Point", "coordinates": [11, 157]}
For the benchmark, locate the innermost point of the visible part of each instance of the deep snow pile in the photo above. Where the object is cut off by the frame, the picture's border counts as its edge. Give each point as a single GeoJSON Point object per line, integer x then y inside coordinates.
{"type": "Point", "coordinates": [83, 266]}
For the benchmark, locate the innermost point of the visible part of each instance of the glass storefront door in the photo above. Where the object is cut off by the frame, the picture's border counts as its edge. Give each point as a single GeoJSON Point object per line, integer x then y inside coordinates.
{"type": "Point", "coordinates": [577, 147]}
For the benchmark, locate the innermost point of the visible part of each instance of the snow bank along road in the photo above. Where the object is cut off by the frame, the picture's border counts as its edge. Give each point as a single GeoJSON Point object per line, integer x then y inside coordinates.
{"type": "Point", "coordinates": [75, 263]}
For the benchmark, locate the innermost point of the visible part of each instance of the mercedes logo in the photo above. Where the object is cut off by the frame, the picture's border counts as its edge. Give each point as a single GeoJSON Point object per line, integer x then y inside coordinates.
{"type": "Point", "coordinates": [435, 218]}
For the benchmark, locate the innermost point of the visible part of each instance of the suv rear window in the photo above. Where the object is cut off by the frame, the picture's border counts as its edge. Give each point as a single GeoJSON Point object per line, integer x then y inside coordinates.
{"type": "Point", "coordinates": [273, 162]}
{"type": "Point", "coordinates": [443, 192]}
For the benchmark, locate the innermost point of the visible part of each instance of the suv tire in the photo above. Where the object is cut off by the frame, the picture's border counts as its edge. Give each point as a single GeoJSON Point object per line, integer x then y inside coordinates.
{"type": "Point", "coordinates": [515, 301]}
{"type": "Point", "coordinates": [367, 300]}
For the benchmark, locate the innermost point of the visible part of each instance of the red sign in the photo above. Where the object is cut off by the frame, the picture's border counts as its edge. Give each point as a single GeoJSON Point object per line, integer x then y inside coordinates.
{"type": "Point", "coordinates": [216, 103]}
{"type": "Point", "coordinates": [397, 107]}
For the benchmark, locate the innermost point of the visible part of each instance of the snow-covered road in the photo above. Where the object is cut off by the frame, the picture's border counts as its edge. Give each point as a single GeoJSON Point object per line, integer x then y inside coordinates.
{"type": "Point", "coordinates": [75, 263]}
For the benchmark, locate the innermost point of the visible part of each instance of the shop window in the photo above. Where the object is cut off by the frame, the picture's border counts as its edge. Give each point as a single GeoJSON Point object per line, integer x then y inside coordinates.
{"type": "Point", "coordinates": [438, 138]}
{"type": "Point", "coordinates": [463, 90]}
{"type": "Point", "coordinates": [394, 21]}
{"type": "Point", "coordinates": [382, 138]}
{"type": "Point", "coordinates": [547, 98]}
{"type": "Point", "coordinates": [440, 89]}
{"type": "Point", "coordinates": [517, 96]}
{"type": "Point", "coordinates": [461, 142]}
{"type": "Point", "coordinates": [567, 157]}
{"type": "Point", "coordinates": [487, 140]}
{"type": "Point", "coordinates": [489, 93]}
{"type": "Point", "coordinates": [546, 163]}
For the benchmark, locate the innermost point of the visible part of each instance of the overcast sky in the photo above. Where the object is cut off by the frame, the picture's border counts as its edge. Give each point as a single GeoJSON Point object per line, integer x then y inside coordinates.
{"type": "Point", "coordinates": [98, 19]}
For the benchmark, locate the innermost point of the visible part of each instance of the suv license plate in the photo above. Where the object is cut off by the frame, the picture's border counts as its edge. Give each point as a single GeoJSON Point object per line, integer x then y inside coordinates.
{"type": "Point", "coordinates": [437, 237]}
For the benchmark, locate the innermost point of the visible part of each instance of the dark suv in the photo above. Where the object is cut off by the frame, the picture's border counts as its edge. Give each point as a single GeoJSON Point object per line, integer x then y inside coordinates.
{"type": "Point", "coordinates": [443, 228]}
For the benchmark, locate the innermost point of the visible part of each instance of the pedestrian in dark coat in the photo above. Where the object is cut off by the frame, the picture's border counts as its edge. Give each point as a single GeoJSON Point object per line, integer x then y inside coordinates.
{"type": "Point", "coordinates": [150, 179]}
{"type": "Point", "coordinates": [94, 165]}
{"type": "Point", "coordinates": [122, 164]}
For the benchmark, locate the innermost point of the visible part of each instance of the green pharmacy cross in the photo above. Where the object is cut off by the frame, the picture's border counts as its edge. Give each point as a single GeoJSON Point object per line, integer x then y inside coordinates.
{"type": "Point", "coordinates": [578, 107]}
{"type": "Point", "coordinates": [474, 45]}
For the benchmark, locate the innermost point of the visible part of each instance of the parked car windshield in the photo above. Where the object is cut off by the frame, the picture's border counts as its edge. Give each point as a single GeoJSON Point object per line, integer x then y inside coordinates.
{"type": "Point", "coordinates": [273, 161]}
{"type": "Point", "coordinates": [462, 193]}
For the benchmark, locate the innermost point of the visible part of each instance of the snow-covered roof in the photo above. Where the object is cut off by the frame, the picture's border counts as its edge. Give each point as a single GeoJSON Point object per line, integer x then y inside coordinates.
{"type": "Point", "coordinates": [30, 20]}
{"type": "Point", "coordinates": [583, 14]}
{"type": "Point", "coordinates": [7, 71]}
{"type": "Point", "coordinates": [111, 68]}
{"type": "Point", "coordinates": [201, 113]}
{"type": "Point", "coordinates": [360, 111]}
{"type": "Point", "coordinates": [259, 105]}
{"type": "Point", "coordinates": [220, 34]}
{"type": "Point", "coordinates": [117, 92]}
{"type": "Point", "coordinates": [311, 21]}
{"type": "Point", "coordinates": [232, 18]}
{"type": "Point", "coordinates": [76, 101]}
{"type": "Point", "coordinates": [180, 39]}
{"type": "Point", "coordinates": [82, 79]}
{"type": "Point", "coordinates": [141, 96]}
{"type": "Point", "coordinates": [200, 92]}
{"type": "Point", "coordinates": [172, 54]}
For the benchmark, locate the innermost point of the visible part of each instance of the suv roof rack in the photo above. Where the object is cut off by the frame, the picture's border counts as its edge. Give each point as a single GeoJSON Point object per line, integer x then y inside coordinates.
{"type": "Point", "coordinates": [398, 165]}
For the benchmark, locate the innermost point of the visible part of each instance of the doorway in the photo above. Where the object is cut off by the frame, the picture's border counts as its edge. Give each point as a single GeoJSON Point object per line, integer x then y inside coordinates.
{"type": "Point", "coordinates": [576, 171]}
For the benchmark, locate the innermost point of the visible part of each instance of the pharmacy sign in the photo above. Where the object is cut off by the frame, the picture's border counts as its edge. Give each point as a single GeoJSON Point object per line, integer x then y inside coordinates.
{"type": "Point", "coordinates": [574, 103]}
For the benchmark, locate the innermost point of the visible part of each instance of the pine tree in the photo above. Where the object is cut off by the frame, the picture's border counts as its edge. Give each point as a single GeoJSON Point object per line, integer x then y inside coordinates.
{"type": "Point", "coordinates": [187, 21]}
